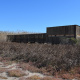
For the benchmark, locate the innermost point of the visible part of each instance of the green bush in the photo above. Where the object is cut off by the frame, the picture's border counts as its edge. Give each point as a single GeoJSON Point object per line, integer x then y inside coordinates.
{"type": "Point", "coordinates": [64, 40]}
{"type": "Point", "coordinates": [78, 41]}
{"type": "Point", "coordinates": [73, 40]}
{"type": "Point", "coordinates": [67, 40]}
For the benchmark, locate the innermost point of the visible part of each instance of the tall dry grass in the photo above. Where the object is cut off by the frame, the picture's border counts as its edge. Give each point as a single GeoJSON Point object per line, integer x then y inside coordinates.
{"type": "Point", "coordinates": [3, 34]}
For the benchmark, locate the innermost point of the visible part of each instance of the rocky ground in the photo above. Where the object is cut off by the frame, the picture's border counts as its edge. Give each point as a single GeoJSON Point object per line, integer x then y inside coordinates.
{"type": "Point", "coordinates": [10, 70]}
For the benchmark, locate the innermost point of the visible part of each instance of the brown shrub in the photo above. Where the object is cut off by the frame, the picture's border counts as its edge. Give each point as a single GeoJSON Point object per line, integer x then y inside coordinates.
{"type": "Point", "coordinates": [67, 76]}
{"type": "Point", "coordinates": [42, 55]}
{"type": "Point", "coordinates": [15, 73]}
{"type": "Point", "coordinates": [3, 70]}
{"type": "Point", "coordinates": [77, 75]}
{"type": "Point", "coordinates": [49, 78]}
{"type": "Point", "coordinates": [27, 66]}
{"type": "Point", "coordinates": [35, 77]}
{"type": "Point", "coordinates": [2, 77]}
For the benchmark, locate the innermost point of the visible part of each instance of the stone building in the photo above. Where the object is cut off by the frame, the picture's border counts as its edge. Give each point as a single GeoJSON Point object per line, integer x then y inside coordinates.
{"type": "Point", "coordinates": [54, 35]}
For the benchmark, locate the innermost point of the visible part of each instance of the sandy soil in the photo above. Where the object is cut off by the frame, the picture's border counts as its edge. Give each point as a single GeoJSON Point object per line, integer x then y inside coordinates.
{"type": "Point", "coordinates": [12, 71]}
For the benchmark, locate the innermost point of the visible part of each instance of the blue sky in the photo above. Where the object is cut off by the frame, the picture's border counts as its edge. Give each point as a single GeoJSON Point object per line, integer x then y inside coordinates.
{"type": "Point", "coordinates": [36, 15]}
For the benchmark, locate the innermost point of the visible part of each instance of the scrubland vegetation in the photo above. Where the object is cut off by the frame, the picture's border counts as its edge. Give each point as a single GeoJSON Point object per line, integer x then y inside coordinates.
{"type": "Point", "coordinates": [62, 60]}
{"type": "Point", "coordinates": [54, 58]}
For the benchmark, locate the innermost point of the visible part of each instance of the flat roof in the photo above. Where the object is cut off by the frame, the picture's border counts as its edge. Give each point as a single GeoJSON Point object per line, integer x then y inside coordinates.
{"type": "Point", "coordinates": [62, 26]}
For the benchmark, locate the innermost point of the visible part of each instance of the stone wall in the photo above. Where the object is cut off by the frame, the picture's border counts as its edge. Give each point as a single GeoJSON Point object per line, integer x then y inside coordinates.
{"type": "Point", "coordinates": [61, 30]}
{"type": "Point", "coordinates": [32, 38]}
{"type": "Point", "coordinates": [54, 35]}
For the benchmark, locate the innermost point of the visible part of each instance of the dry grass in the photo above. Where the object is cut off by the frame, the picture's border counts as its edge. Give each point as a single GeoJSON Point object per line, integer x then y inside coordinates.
{"type": "Point", "coordinates": [3, 70]}
{"type": "Point", "coordinates": [15, 73]}
{"type": "Point", "coordinates": [49, 58]}
{"type": "Point", "coordinates": [1, 77]}
{"type": "Point", "coordinates": [49, 78]}
{"type": "Point", "coordinates": [67, 76]}
{"type": "Point", "coordinates": [35, 77]}
{"type": "Point", "coordinates": [3, 34]}
{"type": "Point", "coordinates": [27, 66]}
{"type": "Point", "coordinates": [3, 37]}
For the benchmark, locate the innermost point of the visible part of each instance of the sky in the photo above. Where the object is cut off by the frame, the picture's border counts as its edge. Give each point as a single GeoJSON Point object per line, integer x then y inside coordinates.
{"type": "Point", "coordinates": [37, 15]}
